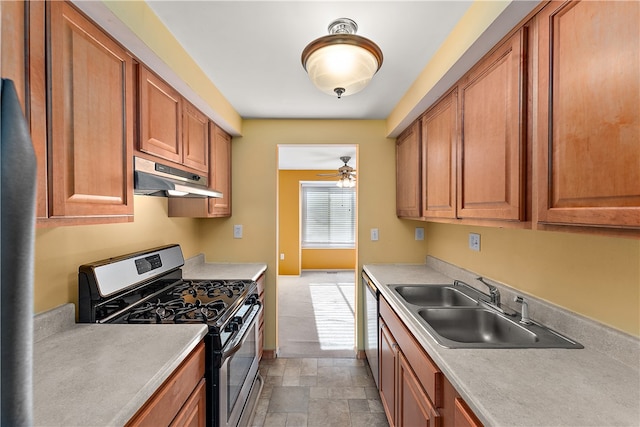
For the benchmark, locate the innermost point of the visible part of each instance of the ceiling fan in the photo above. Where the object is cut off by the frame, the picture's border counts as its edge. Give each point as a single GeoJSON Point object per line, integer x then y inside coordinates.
{"type": "Point", "coordinates": [346, 173]}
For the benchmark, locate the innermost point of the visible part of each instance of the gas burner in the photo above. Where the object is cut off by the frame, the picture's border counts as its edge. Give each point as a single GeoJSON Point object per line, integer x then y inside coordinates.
{"type": "Point", "coordinates": [209, 289]}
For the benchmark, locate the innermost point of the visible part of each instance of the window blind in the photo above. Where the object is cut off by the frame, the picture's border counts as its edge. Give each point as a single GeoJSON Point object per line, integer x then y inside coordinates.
{"type": "Point", "coordinates": [328, 216]}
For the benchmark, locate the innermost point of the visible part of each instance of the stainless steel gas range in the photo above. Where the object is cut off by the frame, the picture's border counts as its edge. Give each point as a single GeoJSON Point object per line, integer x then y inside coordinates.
{"type": "Point", "coordinates": [147, 287]}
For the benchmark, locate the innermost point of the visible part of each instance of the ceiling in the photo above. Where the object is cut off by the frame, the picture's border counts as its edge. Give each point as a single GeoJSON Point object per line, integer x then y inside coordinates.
{"type": "Point", "coordinates": [251, 50]}
{"type": "Point", "coordinates": [316, 156]}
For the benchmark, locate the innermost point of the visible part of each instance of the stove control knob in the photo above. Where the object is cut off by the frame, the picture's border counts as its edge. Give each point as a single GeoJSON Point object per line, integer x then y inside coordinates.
{"type": "Point", "coordinates": [237, 320]}
{"type": "Point", "coordinates": [233, 326]}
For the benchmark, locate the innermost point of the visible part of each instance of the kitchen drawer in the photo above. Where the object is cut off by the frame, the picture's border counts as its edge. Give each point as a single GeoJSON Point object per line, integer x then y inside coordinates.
{"type": "Point", "coordinates": [427, 372]}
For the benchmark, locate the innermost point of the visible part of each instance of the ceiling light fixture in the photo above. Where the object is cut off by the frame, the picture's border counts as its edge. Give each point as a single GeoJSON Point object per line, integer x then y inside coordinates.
{"type": "Point", "coordinates": [341, 63]}
{"type": "Point", "coordinates": [346, 182]}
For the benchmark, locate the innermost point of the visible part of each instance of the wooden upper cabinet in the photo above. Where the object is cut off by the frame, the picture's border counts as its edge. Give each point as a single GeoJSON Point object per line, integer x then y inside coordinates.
{"type": "Point", "coordinates": [491, 165]}
{"type": "Point", "coordinates": [220, 174]}
{"type": "Point", "coordinates": [160, 121]}
{"type": "Point", "coordinates": [195, 138]}
{"type": "Point", "coordinates": [219, 180]}
{"type": "Point", "coordinates": [588, 121]}
{"type": "Point", "coordinates": [91, 86]}
{"type": "Point", "coordinates": [408, 170]}
{"type": "Point", "coordinates": [439, 143]}
{"type": "Point", "coordinates": [171, 128]}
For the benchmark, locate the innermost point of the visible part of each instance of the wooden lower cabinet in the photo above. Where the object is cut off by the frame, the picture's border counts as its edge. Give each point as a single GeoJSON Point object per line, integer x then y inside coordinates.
{"type": "Point", "coordinates": [413, 405]}
{"type": "Point", "coordinates": [181, 400]}
{"type": "Point", "coordinates": [413, 390]}
{"type": "Point", "coordinates": [387, 358]}
{"type": "Point", "coordinates": [463, 416]}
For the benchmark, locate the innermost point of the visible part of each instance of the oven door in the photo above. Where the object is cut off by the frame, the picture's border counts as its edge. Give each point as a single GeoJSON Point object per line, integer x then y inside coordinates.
{"type": "Point", "coordinates": [239, 371]}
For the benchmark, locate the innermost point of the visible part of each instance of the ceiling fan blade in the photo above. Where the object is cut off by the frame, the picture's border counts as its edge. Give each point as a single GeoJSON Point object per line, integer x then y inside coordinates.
{"type": "Point", "coordinates": [327, 174]}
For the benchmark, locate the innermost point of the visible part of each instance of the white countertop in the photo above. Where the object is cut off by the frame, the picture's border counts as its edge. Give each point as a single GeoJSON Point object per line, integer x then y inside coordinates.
{"type": "Point", "coordinates": [528, 387]}
{"type": "Point", "coordinates": [197, 268]}
{"type": "Point", "coordinates": [100, 375]}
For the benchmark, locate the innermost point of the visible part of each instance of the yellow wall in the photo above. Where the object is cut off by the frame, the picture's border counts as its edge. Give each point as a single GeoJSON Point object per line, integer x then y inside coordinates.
{"type": "Point", "coordinates": [598, 277]}
{"type": "Point", "coordinates": [255, 172]}
{"type": "Point", "coordinates": [328, 259]}
{"type": "Point", "coordinates": [296, 258]}
{"type": "Point", "coordinates": [61, 250]}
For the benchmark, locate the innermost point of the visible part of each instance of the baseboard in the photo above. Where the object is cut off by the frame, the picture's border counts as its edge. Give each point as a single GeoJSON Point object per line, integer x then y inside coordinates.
{"type": "Point", "coordinates": [269, 354]}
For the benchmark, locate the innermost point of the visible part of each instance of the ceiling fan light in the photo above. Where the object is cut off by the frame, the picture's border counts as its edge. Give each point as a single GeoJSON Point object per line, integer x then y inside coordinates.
{"type": "Point", "coordinates": [341, 63]}
{"type": "Point", "coordinates": [346, 182]}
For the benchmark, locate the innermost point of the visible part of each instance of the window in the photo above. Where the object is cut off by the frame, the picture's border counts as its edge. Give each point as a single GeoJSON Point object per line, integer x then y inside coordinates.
{"type": "Point", "coordinates": [328, 216]}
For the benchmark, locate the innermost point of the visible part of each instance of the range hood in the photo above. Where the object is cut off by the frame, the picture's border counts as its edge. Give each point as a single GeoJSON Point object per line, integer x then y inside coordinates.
{"type": "Point", "coordinates": [157, 179]}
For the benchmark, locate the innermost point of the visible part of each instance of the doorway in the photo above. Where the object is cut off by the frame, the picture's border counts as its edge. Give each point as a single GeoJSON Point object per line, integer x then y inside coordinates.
{"type": "Point", "coordinates": [317, 251]}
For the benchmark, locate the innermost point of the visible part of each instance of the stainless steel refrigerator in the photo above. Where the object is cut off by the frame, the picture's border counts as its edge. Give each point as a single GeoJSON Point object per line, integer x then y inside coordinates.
{"type": "Point", "coordinates": [17, 235]}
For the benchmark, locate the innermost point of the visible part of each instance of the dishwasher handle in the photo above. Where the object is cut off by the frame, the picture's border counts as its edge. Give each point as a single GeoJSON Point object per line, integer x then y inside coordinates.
{"type": "Point", "coordinates": [370, 285]}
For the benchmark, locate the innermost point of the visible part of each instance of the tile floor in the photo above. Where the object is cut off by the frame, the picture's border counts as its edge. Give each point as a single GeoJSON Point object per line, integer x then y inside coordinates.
{"type": "Point", "coordinates": [318, 392]}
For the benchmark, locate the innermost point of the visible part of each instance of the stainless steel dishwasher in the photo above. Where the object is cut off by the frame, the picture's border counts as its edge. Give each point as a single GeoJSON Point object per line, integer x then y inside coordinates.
{"type": "Point", "coordinates": [371, 297]}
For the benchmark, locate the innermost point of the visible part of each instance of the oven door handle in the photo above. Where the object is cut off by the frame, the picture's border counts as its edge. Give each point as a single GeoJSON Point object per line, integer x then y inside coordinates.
{"type": "Point", "coordinates": [240, 338]}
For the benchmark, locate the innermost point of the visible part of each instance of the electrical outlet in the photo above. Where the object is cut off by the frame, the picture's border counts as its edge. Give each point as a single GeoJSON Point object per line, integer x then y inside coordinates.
{"type": "Point", "coordinates": [374, 234]}
{"type": "Point", "coordinates": [474, 242]}
{"type": "Point", "coordinates": [419, 233]}
{"type": "Point", "coordinates": [237, 231]}
{"type": "Point", "coordinates": [281, 257]}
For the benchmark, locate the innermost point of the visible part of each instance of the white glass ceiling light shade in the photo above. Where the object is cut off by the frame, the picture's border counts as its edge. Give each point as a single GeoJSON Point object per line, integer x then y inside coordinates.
{"type": "Point", "coordinates": [346, 182]}
{"type": "Point", "coordinates": [341, 63]}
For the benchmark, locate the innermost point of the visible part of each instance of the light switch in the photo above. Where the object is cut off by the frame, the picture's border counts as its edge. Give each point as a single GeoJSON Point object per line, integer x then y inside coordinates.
{"type": "Point", "coordinates": [419, 233]}
{"type": "Point", "coordinates": [237, 231]}
{"type": "Point", "coordinates": [374, 234]}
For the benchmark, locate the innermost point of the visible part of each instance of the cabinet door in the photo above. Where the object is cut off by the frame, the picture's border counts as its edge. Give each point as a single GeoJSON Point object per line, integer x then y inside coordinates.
{"type": "Point", "coordinates": [194, 411]}
{"type": "Point", "coordinates": [492, 148]}
{"type": "Point", "coordinates": [388, 350]}
{"type": "Point", "coordinates": [588, 128]}
{"type": "Point", "coordinates": [23, 61]}
{"type": "Point", "coordinates": [463, 416]}
{"type": "Point", "coordinates": [439, 140]}
{"type": "Point", "coordinates": [178, 398]}
{"type": "Point", "coordinates": [220, 175]}
{"type": "Point", "coordinates": [91, 119]}
{"type": "Point", "coordinates": [408, 173]}
{"type": "Point", "coordinates": [413, 406]}
{"type": "Point", "coordinates": [160, 108]}
{"type": "Point", "coordinates": [195, 138]}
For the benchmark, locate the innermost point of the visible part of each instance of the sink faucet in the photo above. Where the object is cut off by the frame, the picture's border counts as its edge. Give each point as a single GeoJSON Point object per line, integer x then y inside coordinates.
{"type": "Point", "coordinates": [524, 317]}
{"type": "Point", "coordinates": [494, 293]}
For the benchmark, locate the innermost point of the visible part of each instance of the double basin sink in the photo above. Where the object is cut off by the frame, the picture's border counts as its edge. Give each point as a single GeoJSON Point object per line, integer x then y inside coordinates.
{"type": "Point", "coordinates": [459, 317]}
